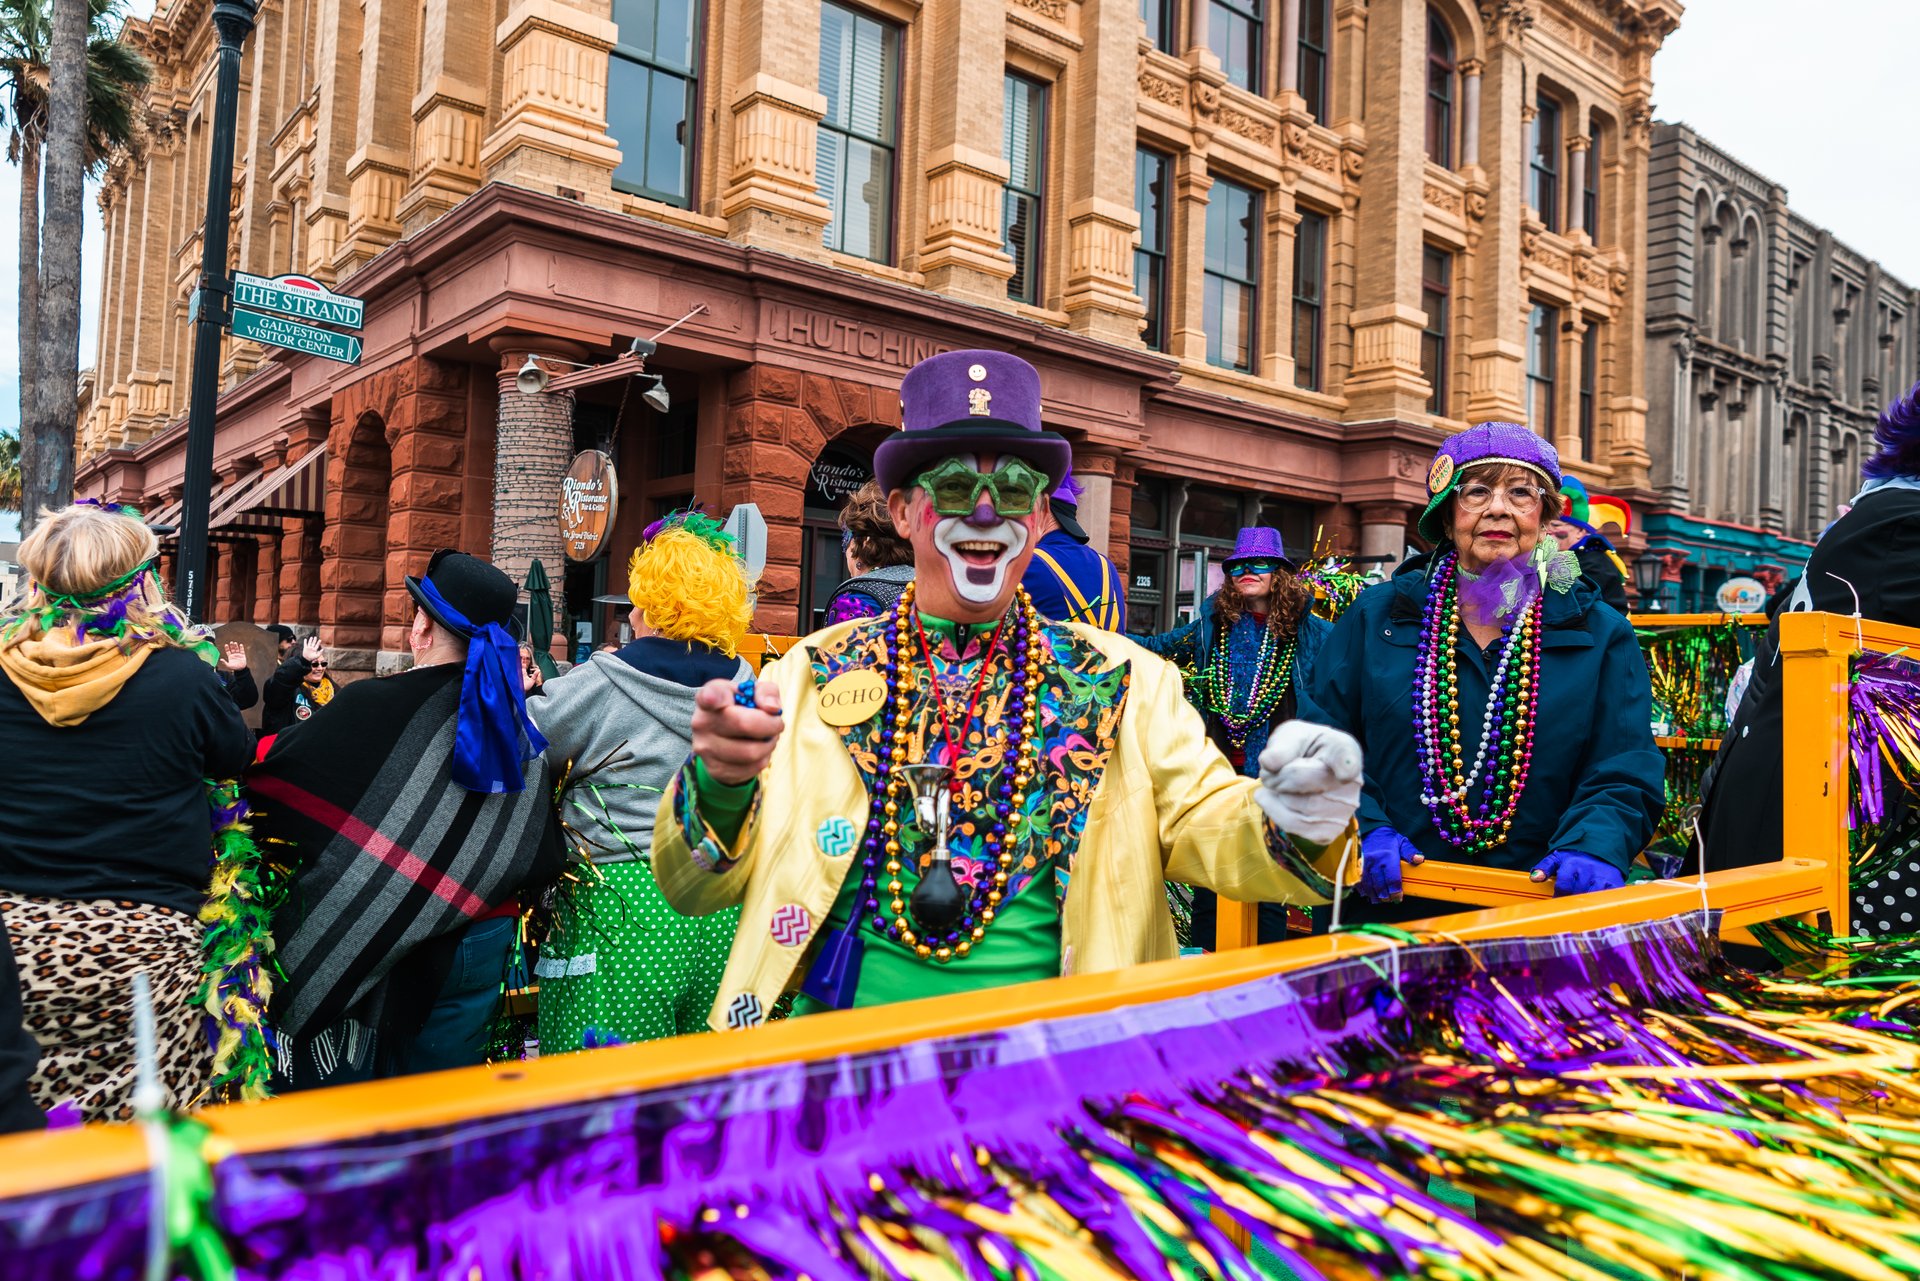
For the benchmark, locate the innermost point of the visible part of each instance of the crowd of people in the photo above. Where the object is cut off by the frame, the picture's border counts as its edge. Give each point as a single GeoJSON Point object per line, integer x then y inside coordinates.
{"type": "Point", "coordinates": [969, 777]}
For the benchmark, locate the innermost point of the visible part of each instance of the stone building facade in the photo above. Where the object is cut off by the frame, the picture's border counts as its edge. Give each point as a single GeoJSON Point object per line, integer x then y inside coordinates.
{"type": "Point", "coordinates": [1771, 348]}
{"type": "Point", "coordinates": [1264, 252]}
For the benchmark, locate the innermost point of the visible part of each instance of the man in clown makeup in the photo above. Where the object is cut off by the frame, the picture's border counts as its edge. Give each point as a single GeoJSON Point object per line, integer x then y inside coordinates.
{"type": "Point", "coordinates": [959, 794]}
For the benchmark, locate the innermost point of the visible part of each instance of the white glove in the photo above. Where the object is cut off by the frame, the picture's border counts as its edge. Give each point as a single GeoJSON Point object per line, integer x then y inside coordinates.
{"type": "Point", "coordinates": [1310, 781]}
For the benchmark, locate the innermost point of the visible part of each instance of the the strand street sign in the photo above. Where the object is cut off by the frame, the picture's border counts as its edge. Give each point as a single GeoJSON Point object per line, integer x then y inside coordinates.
{"type": "Point", "coordinates": [301, 297]}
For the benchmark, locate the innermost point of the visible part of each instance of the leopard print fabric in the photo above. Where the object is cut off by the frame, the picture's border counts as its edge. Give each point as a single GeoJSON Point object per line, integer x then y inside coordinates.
{"type": "Point", "coordinates": [77, 960]}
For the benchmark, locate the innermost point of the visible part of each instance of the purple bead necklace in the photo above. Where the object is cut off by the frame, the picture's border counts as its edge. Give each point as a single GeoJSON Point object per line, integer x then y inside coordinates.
{"type": "Point", "coordinates": [885, 902]}
{"type": "Point", "coordinates": [1506, 726]}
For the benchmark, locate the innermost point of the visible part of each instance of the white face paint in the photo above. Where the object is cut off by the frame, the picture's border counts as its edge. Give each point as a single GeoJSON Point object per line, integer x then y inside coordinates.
{"type": "Point", "coordinates": [978, 557]}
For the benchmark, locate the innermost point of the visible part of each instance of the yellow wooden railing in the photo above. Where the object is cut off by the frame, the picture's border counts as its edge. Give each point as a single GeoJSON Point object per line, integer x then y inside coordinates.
{"type": "Point", "coordinates": [1816, 649]}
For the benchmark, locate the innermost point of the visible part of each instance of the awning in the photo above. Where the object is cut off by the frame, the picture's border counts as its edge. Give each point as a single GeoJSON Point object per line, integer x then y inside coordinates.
{"type": "Point", "coordinates": [255, 504]}
{"type": "Point", "coordinates": [165, 514]}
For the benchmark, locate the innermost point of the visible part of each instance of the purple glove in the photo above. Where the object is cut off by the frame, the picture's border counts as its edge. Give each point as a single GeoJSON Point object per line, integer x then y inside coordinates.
{"type": "Point", "coordinates": [1576, 873]}
{"type": "Point", "coordinates": [1382, 851]}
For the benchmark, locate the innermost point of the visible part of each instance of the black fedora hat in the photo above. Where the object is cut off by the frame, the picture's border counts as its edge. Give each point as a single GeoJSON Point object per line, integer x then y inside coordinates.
{"type": "Point", "coordinates": [469, 585]}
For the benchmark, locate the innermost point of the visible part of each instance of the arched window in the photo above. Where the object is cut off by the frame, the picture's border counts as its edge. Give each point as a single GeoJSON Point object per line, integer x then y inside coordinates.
{"type": "Point", "coordinates": [1703, 237]}
{"type": "Point", "coordinates": [1440, 72]}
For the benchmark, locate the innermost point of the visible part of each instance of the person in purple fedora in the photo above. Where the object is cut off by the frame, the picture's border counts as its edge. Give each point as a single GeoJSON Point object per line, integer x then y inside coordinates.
{"type": "Point", "coordinates": [1249, 656]}
{"type": "Point", "coordinates": [1505, 714]}
{"type": "Point", "coordinates": [960, 793]}
{"type": "Point", "coordinates": [1070, 580]}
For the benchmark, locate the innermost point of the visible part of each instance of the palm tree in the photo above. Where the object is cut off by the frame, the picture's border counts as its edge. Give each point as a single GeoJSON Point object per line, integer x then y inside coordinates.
{"type": "Point", "coordinates": [115, 76]}
{"type": "Point", "coordinates": [9, 472]}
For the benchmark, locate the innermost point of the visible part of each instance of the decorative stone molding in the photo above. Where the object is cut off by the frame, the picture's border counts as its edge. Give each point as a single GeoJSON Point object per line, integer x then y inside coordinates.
{"type": "Point", "coordinates": [1162, 91]}
{"type": "Point", "coordinates": [376, 183]}
{"type": "Point", "coordinates": [1447, 202]}
{"type": "Point", "coordinates": [1055, 9]}
{"type": "Point", "coordinates": [553, 102]}
{"type": "Point", "coordinates": [1507, 20]}
{"type": "Point", "coordinates": [1206, 99]}
{"type": "Point", "coordinates": [1249, 127]}
{"type": "Point", "coordinates": [771, 197]}
{"type": "Point", "coordinates": [1099, 297]}
{"type": "Point", "coordinates": [963, 250]}
{"type": "Point", "coordinates": [447, 136]}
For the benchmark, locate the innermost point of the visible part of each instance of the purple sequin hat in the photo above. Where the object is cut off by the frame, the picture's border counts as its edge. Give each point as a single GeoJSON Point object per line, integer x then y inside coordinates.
{"type": "Point", "coordinates": [1259, 542]}
{"type": "Point", "coordinates": [963, 402]}
{"type": "Point", "coordinates": [1508, 444]}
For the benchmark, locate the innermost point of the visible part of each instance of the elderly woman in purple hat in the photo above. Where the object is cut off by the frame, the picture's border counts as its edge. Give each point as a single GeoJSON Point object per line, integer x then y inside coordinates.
{"type": "Point", "coordinates": [1250, 651]}
{"type": "Point", "coordinates": [1504, 715]}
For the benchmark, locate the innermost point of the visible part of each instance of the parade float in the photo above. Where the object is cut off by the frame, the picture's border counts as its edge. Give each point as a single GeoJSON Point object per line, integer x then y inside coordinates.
{"type": "Point", "coordinates": [1532, 1088]}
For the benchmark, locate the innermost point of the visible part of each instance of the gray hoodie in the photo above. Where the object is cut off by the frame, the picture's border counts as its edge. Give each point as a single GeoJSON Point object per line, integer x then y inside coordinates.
{"type": "Point", "coordinates": [626, 733]}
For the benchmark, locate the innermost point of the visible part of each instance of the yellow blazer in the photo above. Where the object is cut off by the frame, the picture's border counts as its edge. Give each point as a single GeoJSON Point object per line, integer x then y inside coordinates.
{"type": "Point", "coordinates": [1169, 808]}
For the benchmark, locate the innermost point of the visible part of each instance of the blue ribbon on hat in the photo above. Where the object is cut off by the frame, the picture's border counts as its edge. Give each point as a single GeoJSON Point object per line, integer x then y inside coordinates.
{"type": "Point", "coordinates": [493, 739]}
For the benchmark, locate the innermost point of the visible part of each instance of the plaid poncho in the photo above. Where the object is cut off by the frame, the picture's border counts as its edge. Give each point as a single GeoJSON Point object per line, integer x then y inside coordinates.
{"type": "Point", "coordinates": [392, 856]}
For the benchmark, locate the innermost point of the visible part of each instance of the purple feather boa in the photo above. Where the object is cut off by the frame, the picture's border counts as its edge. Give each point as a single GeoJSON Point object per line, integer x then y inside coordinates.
{"type": "Point", "coordinates": [577, 1192]}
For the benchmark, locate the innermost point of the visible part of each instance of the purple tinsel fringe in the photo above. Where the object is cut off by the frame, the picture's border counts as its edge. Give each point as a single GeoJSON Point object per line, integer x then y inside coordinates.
{"type": "Point", "coordinates": [576, 1192]}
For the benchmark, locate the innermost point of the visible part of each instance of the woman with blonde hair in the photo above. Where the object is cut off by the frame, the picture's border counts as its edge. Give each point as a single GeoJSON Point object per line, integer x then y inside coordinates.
{"type": "Point", "coordinates": [619, 964]}
{"type": "Point", "coordinates": [111, 719]}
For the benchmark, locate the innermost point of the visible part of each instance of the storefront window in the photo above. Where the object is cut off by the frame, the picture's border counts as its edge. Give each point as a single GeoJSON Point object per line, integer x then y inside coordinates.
{"type": "Point", "coordinates": [835, 474]}
{"type": "Point", "coordinates": [853, 167]}
{"type": "Point", "coordinates": [652, 82]}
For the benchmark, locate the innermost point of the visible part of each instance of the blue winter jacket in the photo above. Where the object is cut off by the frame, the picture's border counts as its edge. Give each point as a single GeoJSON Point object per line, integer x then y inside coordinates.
{"type": "Point", "coordinates": [1597, 783]}
{"type": "Point", "coordinates": [1190, 646]}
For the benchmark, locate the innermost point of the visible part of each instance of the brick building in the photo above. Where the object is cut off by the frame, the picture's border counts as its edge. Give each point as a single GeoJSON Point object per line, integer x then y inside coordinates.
{"type": "Point", "coordinates": [1264, 252]}
{"type": "Point", "coordinates": [1771, 348]}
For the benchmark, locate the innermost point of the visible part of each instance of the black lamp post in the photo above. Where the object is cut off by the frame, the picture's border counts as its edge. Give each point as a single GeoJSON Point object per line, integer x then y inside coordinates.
{"type": "Point", "coordinates": [232, 21]}
{"type": "Point", "coordinates": [1646, 579]}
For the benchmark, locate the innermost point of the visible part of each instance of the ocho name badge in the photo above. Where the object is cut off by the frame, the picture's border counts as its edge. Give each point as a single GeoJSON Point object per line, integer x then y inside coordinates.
{"type": "Point", "coordinates": [852, 697]}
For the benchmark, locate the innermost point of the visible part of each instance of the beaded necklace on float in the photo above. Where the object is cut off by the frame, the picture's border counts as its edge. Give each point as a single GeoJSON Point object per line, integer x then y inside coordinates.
{"type": "Point", "coordinates": [1506, 725]}
{"type": "Point", "coordinates": [883, 901]}
{"type": "Point", "coordinates": [1272, 673]}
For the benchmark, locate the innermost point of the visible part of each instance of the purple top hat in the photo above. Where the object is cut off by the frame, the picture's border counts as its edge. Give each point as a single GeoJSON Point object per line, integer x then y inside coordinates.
{"type": "Point", "coordinates": [965, 402]}
{"type": "Point", "coordinates": [1259, 542]}
{"type": "Point", "coordinates": [1503, 444]}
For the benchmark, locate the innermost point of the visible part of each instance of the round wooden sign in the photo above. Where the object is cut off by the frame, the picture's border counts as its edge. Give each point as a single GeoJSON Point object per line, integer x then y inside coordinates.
{"type": "Point", "coordinates": [589, 500]}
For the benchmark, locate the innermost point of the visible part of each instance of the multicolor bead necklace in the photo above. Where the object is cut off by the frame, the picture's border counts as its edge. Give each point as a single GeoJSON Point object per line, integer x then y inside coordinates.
{"type": "Point", "coordinates": [881, 848]}
{"type": "Point", "coordinates": [1506, 726]}
{"type": "Point", "coordinates": [1271, 675]}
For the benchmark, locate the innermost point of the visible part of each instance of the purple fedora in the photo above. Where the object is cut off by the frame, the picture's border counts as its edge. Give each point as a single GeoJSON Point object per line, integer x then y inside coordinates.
{"type": "Point", "coordinates": [963, 402]}
{"type": "Point", "coordinates": [1259, 542]}
{"type": "Point", "coordinates": [1505, 444]}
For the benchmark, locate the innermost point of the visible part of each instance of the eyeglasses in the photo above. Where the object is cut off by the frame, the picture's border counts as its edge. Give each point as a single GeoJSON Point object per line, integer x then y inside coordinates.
{"type": "Point", "coordinates": [954, 487]}
{"type": "Point", "coordinates": [320, 666]}
{"type": "Point", "coordinates": [1519, 498]}
{"type": "Point", "coordinates": [1248, 568]}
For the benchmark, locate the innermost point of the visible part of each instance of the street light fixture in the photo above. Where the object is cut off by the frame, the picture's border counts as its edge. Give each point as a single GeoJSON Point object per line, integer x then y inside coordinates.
{"type": "Point", "coordinates": [1646, 579]}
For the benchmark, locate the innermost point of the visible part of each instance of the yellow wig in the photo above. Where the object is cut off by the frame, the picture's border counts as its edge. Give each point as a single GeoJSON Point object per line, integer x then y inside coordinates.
{"type": "Point", "coordinates": [690, 588]}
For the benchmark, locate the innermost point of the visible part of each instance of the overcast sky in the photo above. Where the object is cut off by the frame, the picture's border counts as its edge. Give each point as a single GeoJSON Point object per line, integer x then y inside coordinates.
{"type": "Point", "coordinates": [1820, 98]}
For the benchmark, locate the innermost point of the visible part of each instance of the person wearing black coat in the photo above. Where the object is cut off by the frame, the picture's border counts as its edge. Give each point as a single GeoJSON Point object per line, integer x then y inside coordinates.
{"type": "Point", "coordinates": [1871, 555]}
{"type": "Point", "coordinates": [291, 697]}
{"type": "Point", "coordinates": [19, 1052]}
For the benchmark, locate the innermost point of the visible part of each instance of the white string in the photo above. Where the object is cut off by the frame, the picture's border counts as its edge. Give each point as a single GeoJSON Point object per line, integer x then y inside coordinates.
{"type": "Point", "coordinates": [149, 1105]}
{"type": "Point", "coordinates": [1339, 888]}
{"type": "Point", "coordinates": [1859, 638]}
{"type": "Point", "coordinates": [1700, 843]}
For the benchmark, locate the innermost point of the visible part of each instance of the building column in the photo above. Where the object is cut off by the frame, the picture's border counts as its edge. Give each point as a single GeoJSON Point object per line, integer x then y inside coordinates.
{"type": "Point", "coordinates": [1290, 46]}
{"type": "Point", "coordinates": [1383, 530]}
{"type": "Point", "coordinates": [1094, 466]}
{"type": "Point", "coordinates": [448, 111]}
{"type": "Point", "coordinates": [533, 448]}
{"type": "Point", "coordinates": [771, 198]}
{"type": "Point", "coordinates": [1187, 326]}
{"type": "Point", "coordinates": [966, 170]}
{"type": "Point", "coordinates": [1101, 218]}
{"type": "Point", "coordinates": [552, 134]}
{"type": "Point", "coordinates": [1498, 354]}
{"type": "Point", "coordinates": [1470, 112]}
{"type": "Point", "coordinates": [1577, 154]}
{"type": "Point", "coordinates": [377, 172]}
{"type": "Point", "coordinates": [1386, 381]}
{"type": "Point", "coordinates": [1565, 434]}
